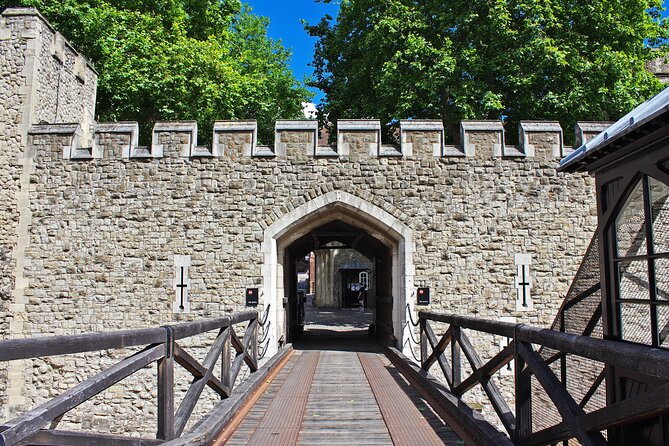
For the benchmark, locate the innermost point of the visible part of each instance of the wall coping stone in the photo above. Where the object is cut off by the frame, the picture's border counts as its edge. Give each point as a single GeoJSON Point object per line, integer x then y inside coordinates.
{"type": "Point", "coordinates": [492, 125]}
{"type": "Point", "coordinates": [583, 127]}
{"type": "Point", "coordinates": [296, 124]}
{"type": "Point", "coordinates": [527, 127]}
{"type": "Point", "coordinates": [540, 126]}
{"type": "Point", "coordinates": [127, 127]}
{"type": "Point", "coordinates": [54, 129]}
{"type": "Point", "coordinates": [358, 124]}
{"type": "Point", "coordinates": [481, 125]}
{"type": "Point", "coordinates": [390, 150]}
{"type": "Point", "coordinates": [72, 151]}
{"type": "Point", "coordinates": [326, 151]}
{"type": "Point", "coordinates": [453, 151]}
{"type": "Point", "coordinates": [421, 125]}
{"type": "Point", "coordinates": [235, 126]}
{"type": "Point", "coordinates": [263, 151]}
{"type": "Point", "coordinates": [512, 151]}
{"type": "Point", "coordinates": [157, 150]}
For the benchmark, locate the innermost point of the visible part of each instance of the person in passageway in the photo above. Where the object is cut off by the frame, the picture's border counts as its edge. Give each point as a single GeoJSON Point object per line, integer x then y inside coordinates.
{"type": "Point", "coordinates": [362, 296]}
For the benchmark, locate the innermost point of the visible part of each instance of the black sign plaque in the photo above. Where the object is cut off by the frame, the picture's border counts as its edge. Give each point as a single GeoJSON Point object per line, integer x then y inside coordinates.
{"type": "Point", "coordinates": [252, 297]}
{"type": "Point", "coordinates": [423, 296]}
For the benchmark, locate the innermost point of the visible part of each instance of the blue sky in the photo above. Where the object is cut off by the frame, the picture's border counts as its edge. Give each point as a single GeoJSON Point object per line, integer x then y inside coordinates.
{"type": "Point", "coordinates": [285, 25]}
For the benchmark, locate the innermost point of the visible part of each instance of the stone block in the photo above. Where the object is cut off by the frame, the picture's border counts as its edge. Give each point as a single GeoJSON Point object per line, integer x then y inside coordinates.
{"type": "Point", "coordinates": [119, 128]}
{"type": "Point", "coordinates": [71, 151]}
{"type": "Point", "coordinates": [359, 137]}
{"type": "Point", "coordinates": [58, 47]}
{"type": "Point", "coordinates": [421, 137]}
{"type": "Point", "coordinates": [186, 127]}
{"type": "Point", "coordinates": [296, 137]}
{"type": "Point", "coordinates": [235, 139]}
{"type": "Point", "coordinates": [586, 130]}
{"type": "Point", "coordinates": [5, 32]}
{"type": "Point", "coordinates": [80, 68]}
{"type": "Point", "coordinates": [541, 138]}
{"type": "Point", "coordinates": [484, 137]}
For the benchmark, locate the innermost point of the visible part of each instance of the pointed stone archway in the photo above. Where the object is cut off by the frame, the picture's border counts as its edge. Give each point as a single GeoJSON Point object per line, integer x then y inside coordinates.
{"type": "Point", "coordinates": [357, 212]}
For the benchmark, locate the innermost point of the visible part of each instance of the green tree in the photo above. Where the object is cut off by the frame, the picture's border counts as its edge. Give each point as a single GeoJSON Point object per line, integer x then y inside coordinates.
{"type": "Point", "coordinates": [179, 59]}
{"type": "Point", "coordinates": [566, 60]}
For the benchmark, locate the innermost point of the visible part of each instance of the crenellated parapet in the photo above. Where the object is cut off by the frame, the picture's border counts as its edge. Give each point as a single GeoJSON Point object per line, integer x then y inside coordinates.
{"type": "Point", "coordinates": [45, 79]}
{"type": "Point", "coordinates": [356, 139]}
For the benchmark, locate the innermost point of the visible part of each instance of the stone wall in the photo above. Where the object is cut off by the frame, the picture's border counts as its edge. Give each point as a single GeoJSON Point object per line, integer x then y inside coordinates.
{"type": "Point", "coordinates": [93, 222]}
{"type": "Point", "coordinates": [12, 64]}
{"type": "Point", "coordinates": [44, 80]}
{"type": "Point", "coordinates": [104, 232]}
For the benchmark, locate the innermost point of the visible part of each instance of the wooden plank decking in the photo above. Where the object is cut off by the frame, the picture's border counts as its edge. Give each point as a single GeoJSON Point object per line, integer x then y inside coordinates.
{"type": "Point", "coordinates": [325, 398]}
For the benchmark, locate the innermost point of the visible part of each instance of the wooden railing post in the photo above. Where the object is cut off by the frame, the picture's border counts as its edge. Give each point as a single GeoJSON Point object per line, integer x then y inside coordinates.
{"type": "Point", "coordinates": [166, 389]}
{"type": "Point", "coordinates": [523, 381]}
{"type": "Point", "coordinates": [455, 356]}
{"type": "Point", "coordinates": [254, 340]}
{"type": "Point", "coordinates": [423, 343]}
{"type": "Point", "coordinates": [225, 363]}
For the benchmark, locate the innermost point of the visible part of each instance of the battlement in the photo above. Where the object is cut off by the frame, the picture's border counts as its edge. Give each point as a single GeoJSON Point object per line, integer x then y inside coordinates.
{"type": "Point", "coordinates": [45, 76]}
{"type": "Point", "coordinates": [299, 139]}
{"type": "Point", "coordinates": [56, 88]}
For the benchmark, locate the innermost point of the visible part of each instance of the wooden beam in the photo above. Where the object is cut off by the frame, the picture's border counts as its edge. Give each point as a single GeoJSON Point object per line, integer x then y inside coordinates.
{"type": "Point", "coordinates": [185, 360]}
{"type": "Point", "coordinates": [438, 348]}
{"type": "Point", "coordinates": [523, 397]}
{"type": "Point", "coordinates": [47, 437]}
{"type": "Point", "coordinates": [593, 388]}
{"type": "Point", "coordinates": [456, 361]}
{"type": "Point", "coordinates": [197, 386]}
{"type": "Point", "coordinates": [640, 407]}
{"type": "Point", "coordinates": [489, 387]}
{"type": "Point", "coordinates": [649, 361]}
{"type": "Point", "coordinates": [13, 349]}
{"type": "Point", "coordinates": [564, 403]}
{"type": "Point", "coordinates": [193, 328]}
{"type": "Point", "coordinates": [487, 370]}
{"type": "Point", "coordinates": [209, 427]}
{"type": "Point", "coordinates": [444, 365]}
{"type": "Point", "coordinates": [243, 347]}
{"type": "Point", "coordinates": [30, 422]}
{"type": "Point", "coordinates": [166, 390]}
{"type": "Point", "coordinates": [637, 408]}
{"type": "Point", "coordinates": [241, 354]}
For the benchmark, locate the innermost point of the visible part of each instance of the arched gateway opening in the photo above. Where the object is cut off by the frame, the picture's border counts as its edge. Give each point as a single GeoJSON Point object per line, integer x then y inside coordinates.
{"type": "Point", "coordinates": [347, 221]}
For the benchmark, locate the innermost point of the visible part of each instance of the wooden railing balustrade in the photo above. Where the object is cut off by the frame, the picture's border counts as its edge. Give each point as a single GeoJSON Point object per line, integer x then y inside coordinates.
{"type": "Point", "coordinates": [446, 352]}
{"type": "Point", "coordinates": [160, 344]}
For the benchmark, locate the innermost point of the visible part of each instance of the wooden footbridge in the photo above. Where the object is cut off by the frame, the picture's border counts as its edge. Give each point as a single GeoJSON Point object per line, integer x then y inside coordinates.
{"type": "Point", "coordinates": [361, 395]}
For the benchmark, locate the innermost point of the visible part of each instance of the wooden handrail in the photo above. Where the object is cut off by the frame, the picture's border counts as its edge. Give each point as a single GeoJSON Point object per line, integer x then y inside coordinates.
{"type": "Point", "coordinates": [646, 360]}
{"type": "Point", "coordinates": [40, 347]}
{"type": "Point", "coordinates": [530, 365]}
{"type": "Point", "coordinates": [160, 346]}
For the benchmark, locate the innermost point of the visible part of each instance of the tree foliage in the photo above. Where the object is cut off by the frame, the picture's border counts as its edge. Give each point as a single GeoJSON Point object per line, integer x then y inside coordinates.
{"type": "Point", "coordinates": [565, 60]}
{"type": "Point", "coordinates": [179, 59]}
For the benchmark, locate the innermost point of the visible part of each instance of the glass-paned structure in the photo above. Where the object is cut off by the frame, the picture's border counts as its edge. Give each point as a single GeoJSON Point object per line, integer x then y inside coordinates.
{"type": "Point", "coordinates": [630, 163]}
{"type": "Point", "coordinates": [641, 263]}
